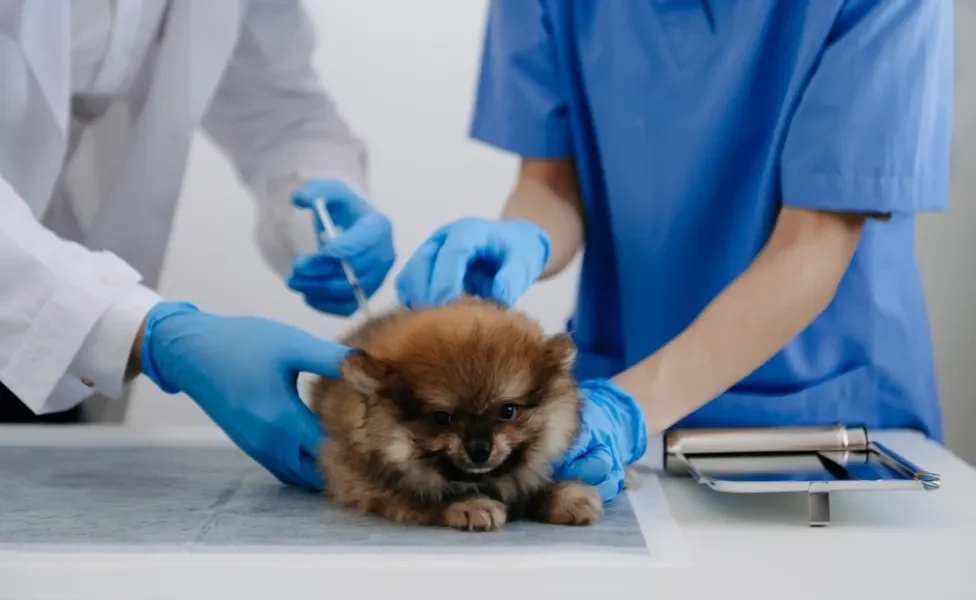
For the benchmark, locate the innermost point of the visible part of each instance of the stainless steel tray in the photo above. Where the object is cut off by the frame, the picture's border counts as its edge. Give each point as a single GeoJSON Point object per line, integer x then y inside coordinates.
{"type": "Point", "coordinates": [815, 460]}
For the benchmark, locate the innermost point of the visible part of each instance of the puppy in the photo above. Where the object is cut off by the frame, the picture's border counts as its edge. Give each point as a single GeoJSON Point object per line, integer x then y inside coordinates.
{"type": "Point", "coordinates": [453, 416]}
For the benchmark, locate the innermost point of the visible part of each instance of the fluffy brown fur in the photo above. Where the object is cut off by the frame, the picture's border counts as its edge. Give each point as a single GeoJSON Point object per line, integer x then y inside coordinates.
{"type": "Point", "coordinates": [453, 416]}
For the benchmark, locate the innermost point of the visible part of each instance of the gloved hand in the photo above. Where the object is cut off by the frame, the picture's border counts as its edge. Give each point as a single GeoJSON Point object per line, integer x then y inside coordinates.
{"type": "Point", "coordinates": [492, 259]}
{"type": "Point", "coordinates": [242, 371]}
{"type": "Point", "coordinates": [366, 241]}
{"type": "Point", "coordinates": [613, 435]}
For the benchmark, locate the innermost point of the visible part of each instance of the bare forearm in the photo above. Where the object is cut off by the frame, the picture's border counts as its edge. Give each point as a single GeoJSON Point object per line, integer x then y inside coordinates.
{"type": "Point", "coordinates": [779, 295]}
{"type": "Point", "coordinates": [546, 194]}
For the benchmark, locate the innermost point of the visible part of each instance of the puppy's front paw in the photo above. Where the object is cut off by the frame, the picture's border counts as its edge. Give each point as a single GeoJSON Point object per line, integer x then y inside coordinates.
{"type": "Point", "coordinates": [573, 503]}
{"type": "Point", "coordinates": [476, 514]}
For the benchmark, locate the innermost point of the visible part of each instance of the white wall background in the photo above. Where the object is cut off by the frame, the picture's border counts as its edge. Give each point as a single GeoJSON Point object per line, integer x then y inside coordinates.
{"type": "Point", "coordinates": [384, 62]}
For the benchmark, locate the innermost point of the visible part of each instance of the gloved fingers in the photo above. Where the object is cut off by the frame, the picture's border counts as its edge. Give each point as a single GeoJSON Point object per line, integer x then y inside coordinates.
{"type": "Point", "coordinates": [289, 443]}
{"type": "Point", "coordinates": [325, 305]}
{"type": "Point", "coordinates": [336, 298]}
{"type": "Point", "coordinates": [512, 279]}
{"type": "Point", "coordinates": [521, 264]}
{"type": "Point", "coordinates": [451, 264]}
{"type": "Point", "coordinates": [610, 488]}
{"type": "Point", "coordinates": [310, 354]}
{"type": "Point", "coordinates": [598, 469]}
{"type": "Point", "coordinates": [296, 468]}
{"type": "Point", "coordinates": [301, 468]}
{"type": "Point", "coordinates": [298, 453]}
{"type": "Point", "coordinates": [309, 472]}
{"type": "Point", "coordinates": [331, 280]}
{"type": "Point", "coordinates": [279, 471]}
{"type": "Point", "coordinates": [581, 445]}
{"type": "Point", "coordinates": [311, 436]}
{"type": "Point", "coordinates": [369, 237]}
{"type": "Point", "coordinates": [256, 447]}
{"type": "Point", "coordinates": [337, 290]}
{"type": "Point", "coordinates": [330, 305]}
{"type": "Point", "coordinates": [315, 266]}
{"type": "Point", "coordinates": [592, 467]}
{"type": "Point", "coordinates": [478, 281]}
{"type": "Point", "coordinates": [413, 282]}
{"type": "Point", "coordinates": [624, 416]}
{"type": "Point", "coordinates": [379, 256]}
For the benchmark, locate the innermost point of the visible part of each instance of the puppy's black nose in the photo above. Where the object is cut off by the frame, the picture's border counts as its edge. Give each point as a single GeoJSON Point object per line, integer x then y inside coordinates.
{"type": "Point", "coordinates": [479, 450]}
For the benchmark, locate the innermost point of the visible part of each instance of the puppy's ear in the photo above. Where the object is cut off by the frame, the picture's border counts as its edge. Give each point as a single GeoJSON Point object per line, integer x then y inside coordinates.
{"type": "Point", "coordinates": [561, 350]}
{"type": "Point", "coordinates": [365, 373]}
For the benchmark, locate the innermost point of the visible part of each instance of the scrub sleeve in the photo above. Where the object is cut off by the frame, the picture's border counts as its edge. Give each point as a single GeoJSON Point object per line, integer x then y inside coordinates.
{"type": "Point", "coordinates": [519, 106]}
{"type": "Point", "coordinates": [870, 132]}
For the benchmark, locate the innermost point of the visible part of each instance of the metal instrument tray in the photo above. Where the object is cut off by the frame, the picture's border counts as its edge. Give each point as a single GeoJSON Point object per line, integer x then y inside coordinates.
{"type": "Point", "coordinates": [815, 460]}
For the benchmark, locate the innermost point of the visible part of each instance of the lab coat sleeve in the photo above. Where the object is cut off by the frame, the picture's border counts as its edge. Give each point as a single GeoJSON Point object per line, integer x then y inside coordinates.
{"type": "Point", "coordinates": [871, 132]}
{"type": "Point", "coordinates": [67, 314]}
{"type": "Point", "coordinates": [519, 102]}
{"type": "Point", "coordinates": [279, 125]}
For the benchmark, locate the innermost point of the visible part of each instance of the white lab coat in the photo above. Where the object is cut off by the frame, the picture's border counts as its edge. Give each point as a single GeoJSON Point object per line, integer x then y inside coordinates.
{"type": "Point", "coordinates": [87, 204]}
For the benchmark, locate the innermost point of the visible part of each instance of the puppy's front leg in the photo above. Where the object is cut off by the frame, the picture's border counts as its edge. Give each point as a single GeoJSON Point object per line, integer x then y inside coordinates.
{"type": "Point", "coordinates": [475, 514]}
{"type": "Point", "coordinates": [568, 503]}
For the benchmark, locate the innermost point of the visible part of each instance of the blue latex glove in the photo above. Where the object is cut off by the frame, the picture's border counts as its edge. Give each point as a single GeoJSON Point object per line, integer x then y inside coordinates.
{"type": "Point", "coordinates": [365, 240]}
{"type": "Point", "coordinates": [613, 435]}
{"type": "Point", "coordinates": [243, 371]}
{"type": "Point", "coordinates": [492, 259]}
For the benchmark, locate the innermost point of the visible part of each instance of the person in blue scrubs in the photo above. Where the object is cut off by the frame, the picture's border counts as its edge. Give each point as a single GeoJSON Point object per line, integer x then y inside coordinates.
{"type": "Point", "coordinates": [744, 178]}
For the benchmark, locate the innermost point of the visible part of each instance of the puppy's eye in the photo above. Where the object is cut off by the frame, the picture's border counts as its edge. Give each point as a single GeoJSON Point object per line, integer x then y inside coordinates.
{"type": "Point", "coordinates": [442, 419]}
{"type": "Point", "coordinates": [506, 412]}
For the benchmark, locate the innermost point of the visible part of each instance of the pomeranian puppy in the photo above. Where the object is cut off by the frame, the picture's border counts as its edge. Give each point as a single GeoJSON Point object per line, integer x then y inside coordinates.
{"type": "Point", "coordinates": [453, 416]}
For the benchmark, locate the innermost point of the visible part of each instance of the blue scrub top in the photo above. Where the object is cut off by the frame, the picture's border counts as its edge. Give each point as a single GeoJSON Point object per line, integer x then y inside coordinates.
{"type": "Point", "coordinates": [692, 122]}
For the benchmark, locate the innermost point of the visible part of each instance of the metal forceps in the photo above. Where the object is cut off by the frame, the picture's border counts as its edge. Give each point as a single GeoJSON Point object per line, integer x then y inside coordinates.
{"type": "Point", "coordinates": [328, 234]}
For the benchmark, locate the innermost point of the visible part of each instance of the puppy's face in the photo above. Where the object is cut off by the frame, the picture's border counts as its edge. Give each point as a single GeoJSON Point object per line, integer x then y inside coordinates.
{"type": "Point", "coordinates": [477, 400]}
